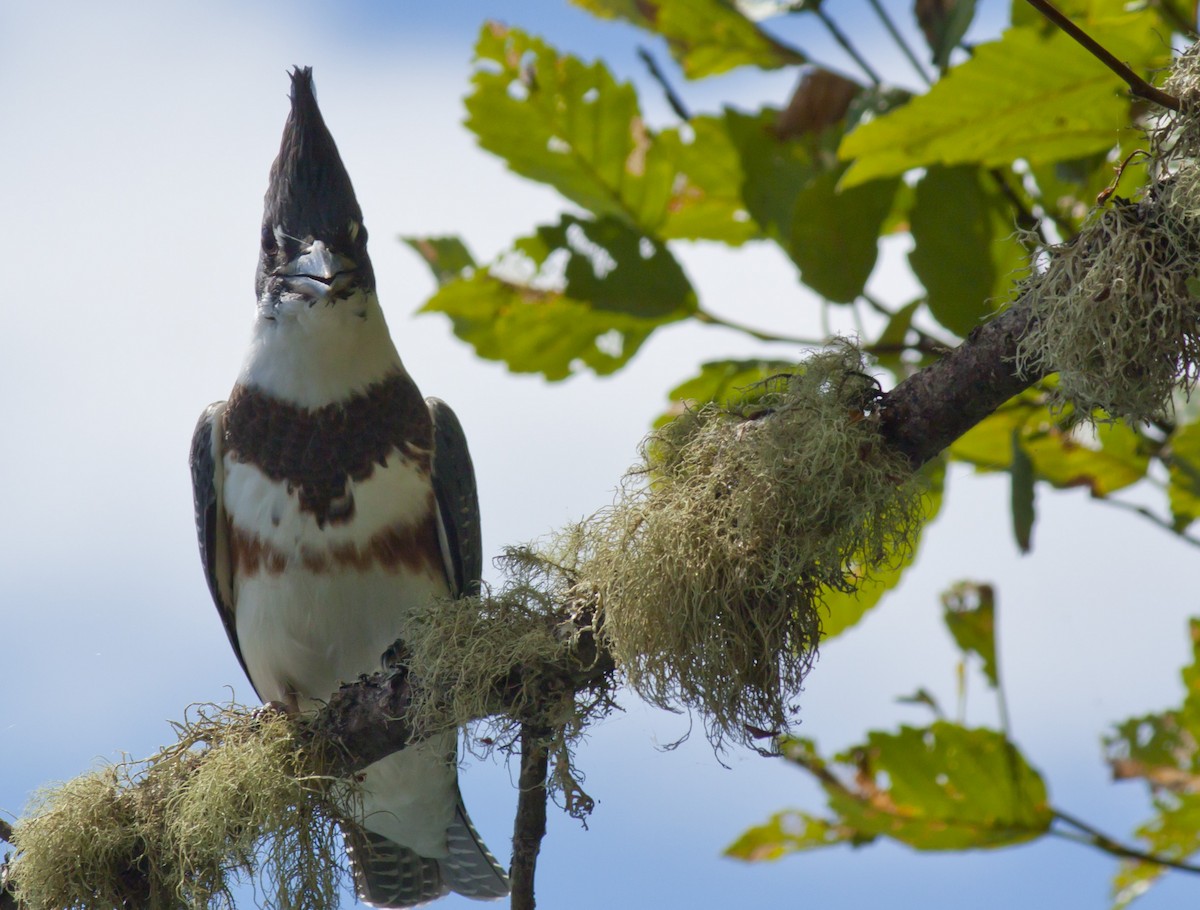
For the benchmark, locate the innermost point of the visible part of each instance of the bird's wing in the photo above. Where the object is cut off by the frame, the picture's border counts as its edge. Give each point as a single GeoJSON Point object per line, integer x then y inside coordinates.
{"type": "Point", "coordinates": [457, 499]}
{"type": "Point", "coordinates": [212, 528]}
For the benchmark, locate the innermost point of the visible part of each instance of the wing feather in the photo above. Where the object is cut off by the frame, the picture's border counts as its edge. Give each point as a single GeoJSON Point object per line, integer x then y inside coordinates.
{"type": "Point", "coordinates": [212, 527]}
{"type": "Point", "coordinates": [458, 500]}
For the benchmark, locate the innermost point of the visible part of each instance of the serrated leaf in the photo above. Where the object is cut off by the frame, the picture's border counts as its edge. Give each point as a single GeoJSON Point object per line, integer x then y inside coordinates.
{"type": "Point", "coordinates": [559, 121]}
{"type": "Point", "coordinates": [969, 612]}
{"type": "Point", "coordinates": [941, 787]}
{"type": "Point", "coordinates": [965, 252]}
{"type": "Point", "coordinates": [447, 257]}
{"type": "Point", "coordinates": [834, 237]}
{"type": "Point", "coordinates": [1022, 494]}
{"type": "Point", "coordinates": [706, 195]}
{"type": "Point", "coordinates": [989, 110]}
{"type": "Point", "coordinates": [577, 294]}
{"type": "Point", "coordinates": [706, 37]}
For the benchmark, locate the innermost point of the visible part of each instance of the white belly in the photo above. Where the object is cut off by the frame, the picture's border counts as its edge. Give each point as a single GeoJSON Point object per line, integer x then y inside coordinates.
{"type": "Point", "coordinates": [306, 629]}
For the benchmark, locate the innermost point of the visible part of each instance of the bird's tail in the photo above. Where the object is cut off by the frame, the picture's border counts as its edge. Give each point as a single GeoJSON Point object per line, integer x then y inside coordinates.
{"type": "Point", "coordinates": [387, 874]}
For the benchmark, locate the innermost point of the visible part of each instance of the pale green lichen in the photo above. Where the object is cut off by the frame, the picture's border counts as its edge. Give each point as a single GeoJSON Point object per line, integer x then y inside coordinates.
{"type": "Point", "coordinates": [710, 571]}
{"type": "Point", "coordinates": [1115, 309]}
{"type": "Point", "coordinates": [235, 798]}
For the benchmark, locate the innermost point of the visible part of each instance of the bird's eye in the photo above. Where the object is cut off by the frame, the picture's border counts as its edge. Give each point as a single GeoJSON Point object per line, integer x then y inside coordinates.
{"type": "Point", "coordinates": [270, 244]}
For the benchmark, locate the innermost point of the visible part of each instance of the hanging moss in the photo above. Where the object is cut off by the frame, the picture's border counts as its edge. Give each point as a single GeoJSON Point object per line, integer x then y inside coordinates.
{"type": "Point", "coordinates": [1116, 314]}
{"type": "Point", "coordinates": [711, 571]}
{"type": "Point", "coordinates": [235, 798]}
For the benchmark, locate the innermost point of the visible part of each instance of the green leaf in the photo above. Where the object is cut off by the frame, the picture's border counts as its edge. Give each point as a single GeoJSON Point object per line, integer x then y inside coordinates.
{"type": "Point", "coordinates": [707, 37]}
{"type": "Point", "coordinates": [447, 257]}
{"type": "Point", "coordinates": [845, 609]}
{"type": "Point", "coordinates": [706, 198]}
{"type": "Point", "coordinates": [1022, 494]}
{"type": "Point", "coordinates": [1183, 464]}
{"type": "Point", "coordinates": [774, 170]}
{"type": "Point", "coordinates": [941, 787]}
{"type": "Point", "coordinates": [991, 110]}
{"type": "Point", "coordinates": [1164, 751]}
{"type": "Point", "coordinates": [965, 252]}
{"type": "Point", "coordinates": [1114, 460]}
{"type": "Point", "coordinates": [559, 121]}
{"type": "Point", "coordinates": [577, 294]}
{"type": "Point", "coordinates": [834, 233]}
{"type": "Point", "coordinates": [969, 611]}
{"type": "Point", "coordinates": [724, 382]}
{"type": "Point", "coordinates": [787, 832]}
{"type": "Point", "coordinates": [944, 26]}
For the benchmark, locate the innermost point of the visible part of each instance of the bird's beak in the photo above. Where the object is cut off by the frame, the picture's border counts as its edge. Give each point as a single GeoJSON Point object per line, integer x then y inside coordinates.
{"type": "Point", "coordinates": [318, 273]}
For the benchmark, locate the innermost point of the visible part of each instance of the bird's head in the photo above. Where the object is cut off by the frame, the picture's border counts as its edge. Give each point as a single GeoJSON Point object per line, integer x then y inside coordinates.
{"type": "Point", "coordinates": [314, 244]}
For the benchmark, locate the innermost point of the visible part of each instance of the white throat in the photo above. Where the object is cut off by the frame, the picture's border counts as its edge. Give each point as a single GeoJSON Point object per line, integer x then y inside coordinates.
{"type": "Point", "coordinates": [315, 355]}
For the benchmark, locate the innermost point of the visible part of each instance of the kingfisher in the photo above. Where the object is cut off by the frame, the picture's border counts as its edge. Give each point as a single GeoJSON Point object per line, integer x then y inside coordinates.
{"type": "Point", "coordinates": [333, 502]}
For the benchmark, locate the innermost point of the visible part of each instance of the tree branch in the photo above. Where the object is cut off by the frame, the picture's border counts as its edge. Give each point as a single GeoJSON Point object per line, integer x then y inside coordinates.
{"type": "Point", "coordinates": [530, 826]}
{"type": "Point", "coordinates": [934, 406]}
{"type": "Point", "coordinates": [1139, 86]}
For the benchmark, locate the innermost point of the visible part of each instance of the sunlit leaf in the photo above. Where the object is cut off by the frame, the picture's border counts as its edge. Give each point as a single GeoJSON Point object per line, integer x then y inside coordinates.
{"type": "Point", "coordinates": [1112, 461]}
{"type": "Point", "coordinates": [787, 832]}
{"type": "Point", "coordinates": [965, 251]}
{"type": "Point", "coordinates": [969, 611]}
{"type": "Point", "coordinates": [707, 37]}
{"type": "Point", "coordinates": [941, 787]}
{"type": "Point", "coordinates": [989, 111]}
{"type": "Point", "coordinates": [1163, 750]}
{"type": "Point", "coordinates": [560, 121]}
{"type": "Point", "coordinates": [706, 194]}
{"type": "Point", "coordinates": [577, 294]}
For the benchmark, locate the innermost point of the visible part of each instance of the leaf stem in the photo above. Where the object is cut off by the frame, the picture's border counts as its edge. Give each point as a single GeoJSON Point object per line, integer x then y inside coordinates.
{"type": "Point", "coordinates": [840, 37]}
{"type": "Point", "coordinates": [1087, 834]}
{"type": "Point", "coordinates": [1139, 86]}
{"type": "Point", "coordinates": [673, 99]}
{"type": "Point", "coordinates": [1151, 517]}
{"type": "Point", "coordinates": [709, 319]}
{"type": "Point", "coordinates": [905, 47]}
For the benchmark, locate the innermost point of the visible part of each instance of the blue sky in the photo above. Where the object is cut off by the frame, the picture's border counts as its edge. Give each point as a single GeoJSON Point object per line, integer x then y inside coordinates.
{"type": "Point", "coordinates": [137, 144]}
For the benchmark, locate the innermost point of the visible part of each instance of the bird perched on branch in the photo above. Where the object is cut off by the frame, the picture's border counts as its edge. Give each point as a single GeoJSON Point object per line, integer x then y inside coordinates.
{"type": "Point", "coordinates": [332, 501]}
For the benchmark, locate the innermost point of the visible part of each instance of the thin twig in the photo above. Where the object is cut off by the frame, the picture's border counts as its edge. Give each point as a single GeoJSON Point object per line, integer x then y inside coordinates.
{"type": "Point", "coordinates": [1139, 86]}
{"type": "Point", "coordinates": [1151, 517]}
{"type": "Point", "coordinates": [1026, 219]}
{"type": "Point", "coordinates": [709, 319]}
{"type": "Point", "coordinates": [840, 37]}
{"type": "Point", "coordinates": [1102, 841]}
{"type": "Point", "coordinates": [673, 99]}
{"type": "Point", "coordinates": [530, 825]}
{"type": "Point", "coordinates": [905, 47]}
